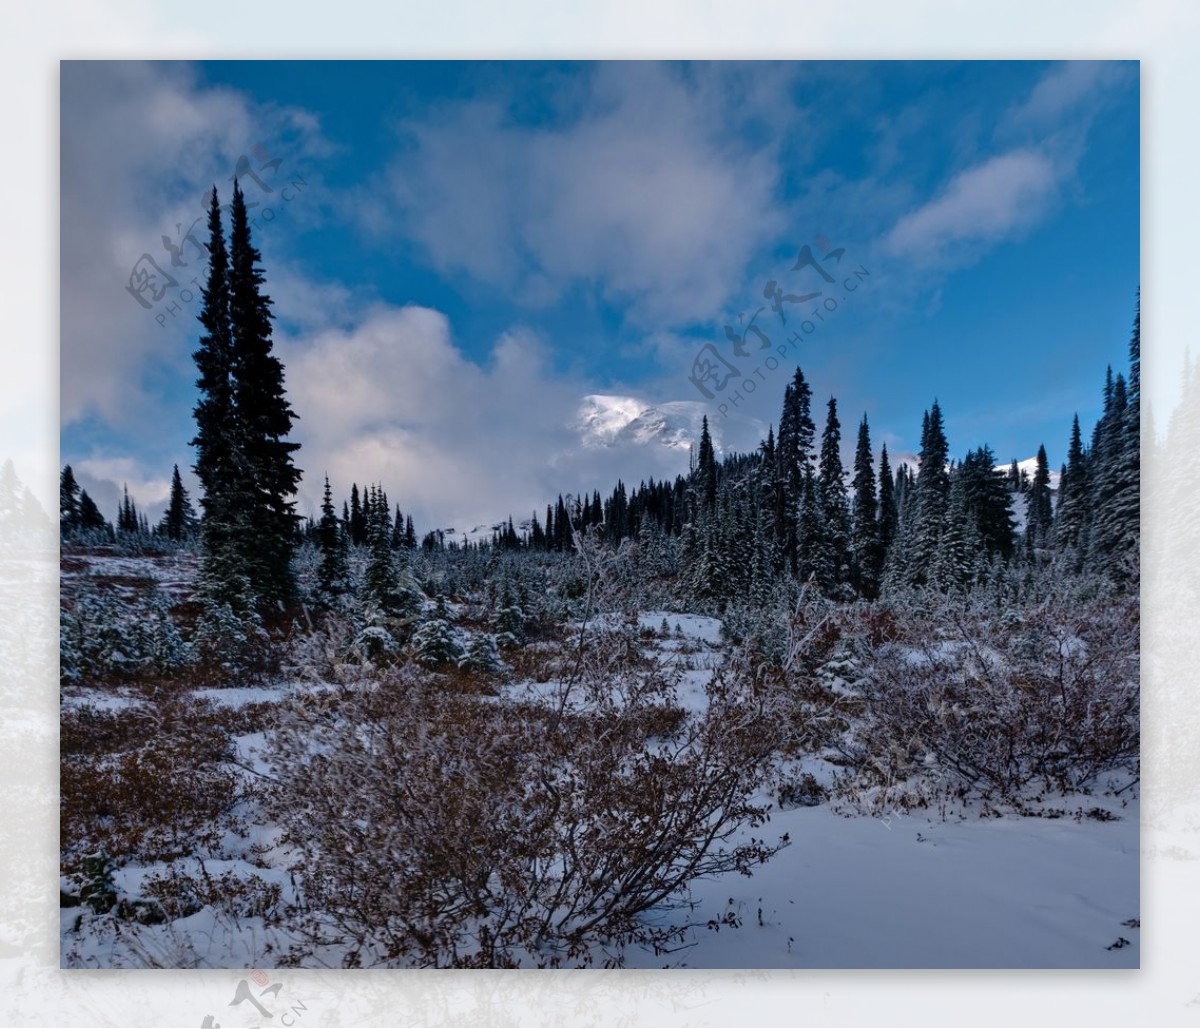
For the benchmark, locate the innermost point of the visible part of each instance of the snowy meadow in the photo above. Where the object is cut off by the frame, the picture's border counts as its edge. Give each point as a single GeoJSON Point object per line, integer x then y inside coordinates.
{"type": "Point", "coordinates": [545, 763]}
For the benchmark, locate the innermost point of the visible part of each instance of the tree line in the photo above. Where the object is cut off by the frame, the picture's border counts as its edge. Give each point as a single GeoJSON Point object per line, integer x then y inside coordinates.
{"type": "Point", "coordinates": [730, 529]}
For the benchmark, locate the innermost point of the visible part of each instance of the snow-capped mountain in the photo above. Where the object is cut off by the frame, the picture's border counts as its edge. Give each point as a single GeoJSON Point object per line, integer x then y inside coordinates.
{"type": "Point", "coordinates": [605, 420]}
{"type": "Point", "coordinates": [1029, 467]}
{"type": "Point", "coordinates": [1018, 502]}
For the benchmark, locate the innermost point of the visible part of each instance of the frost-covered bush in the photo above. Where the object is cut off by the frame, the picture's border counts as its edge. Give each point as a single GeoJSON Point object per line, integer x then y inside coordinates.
{"type": "Point", "coordinates": [435, 643]}
{"type": "Point", "coordinates": [374, 643]}
{"type": "Point", "coordinates": [228, 642]}
{"type": "Point", "coordinates": [102, 634]}
{"type": "Point", "coordinates": [482, 655]}
{"type": "Point", "coordinates": [439, 828]}
{"type": "Point", "coordinates": [1045, 698]}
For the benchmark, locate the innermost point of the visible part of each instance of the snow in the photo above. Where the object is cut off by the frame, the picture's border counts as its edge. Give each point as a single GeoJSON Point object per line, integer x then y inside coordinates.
{"type": "Point", "coordinates": [607, 420]}
{"type": "Point", "coordinates": [177, 568]}
{"type": "Point", "coordinates": [694, 627]}
{"type": "Point", "coordinates": [911, 890]}
{"type": "Point", "coordinates": [240, 696]}
{"type": "Point", "coordinates": [122, 700]}
{"type": "Point", "coordinates": [252, 753]}
{"type": "Point", "coordinates": [915, 892]}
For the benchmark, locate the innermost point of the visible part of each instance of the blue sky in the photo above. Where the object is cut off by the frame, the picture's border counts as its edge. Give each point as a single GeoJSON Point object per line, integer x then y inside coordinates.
{"type": "Point", "coordinates": [460, 252]}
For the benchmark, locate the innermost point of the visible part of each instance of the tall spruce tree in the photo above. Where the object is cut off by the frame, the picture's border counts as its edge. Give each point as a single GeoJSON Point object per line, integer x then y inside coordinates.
{"type": "Point", "coordinates": [358, 520]}
{"type": "Point", "coordinates": [924, 511]}
{"type": "Point", "coordinates": [221, 465]}
{"type": "Point", "coordinates": [381, 578]}
{"type": "Point", "coordinates": [262, 407]}
{"type": "Point", "coordinates": [793, 449]}
{"type": "Point", "coordinates": [127, 516]}
{"type": "Point", "coordinates": [179, 520]}
{"type": "Point", "coordinates": [831, 485]}
{"type": "Point", "coordinates": [866, 544]}
{"type": "Point", "coordinates": [333, 569]}
{"type": "Point", "coordinates": [1125, 504]}
{"type": "Point", "coordinates": [987, 501]}
{"type": "Point", "coordinates": [68, 502]}
{"type": "Point", "coordinates": [706, 468]}
{"type": "Point", "coordinates": [90, 518]}
{"type": "Point", "coordinates": [1114, 473]}
{"type": "Point", "coordinates": [814, 557]}
{"type": "Point", "coordinates": [888, 515]}
{"type": "Point", "coordinates": [1071, 519]}
{"type": "Point", "coordinates": [958, 559]}
{"type": "Point", "coordinates": [1039, 512]}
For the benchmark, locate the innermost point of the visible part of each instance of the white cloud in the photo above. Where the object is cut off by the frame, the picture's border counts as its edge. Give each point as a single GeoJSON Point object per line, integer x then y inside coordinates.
{"type": "Point", "coordinates": [1041, 140]}
{"type": "Point", "coordinates": [393, 400]}
{"type": "Point", "coordinates": [644, 193]}
{"type": "Point", "coordinates": [105, 478]}
{"type": "Point", "coordinates": [984, 204]}
{"type": "Point", "coordinates": [140, 145]}
{"type": "Point", "coordinates": [1063, 91]}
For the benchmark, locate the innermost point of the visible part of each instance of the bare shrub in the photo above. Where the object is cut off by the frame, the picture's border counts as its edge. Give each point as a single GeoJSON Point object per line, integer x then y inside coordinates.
{"type": "Point", "coordinates": [156, 794]}
{"type": "Point", "coordinates": [1045, 698]}
{"type": "Point", "coordinates": [443, 829]}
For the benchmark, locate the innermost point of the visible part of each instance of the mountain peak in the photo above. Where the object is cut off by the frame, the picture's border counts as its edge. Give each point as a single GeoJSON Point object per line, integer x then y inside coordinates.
{"type": "Point", "coordinates": [607, 420]}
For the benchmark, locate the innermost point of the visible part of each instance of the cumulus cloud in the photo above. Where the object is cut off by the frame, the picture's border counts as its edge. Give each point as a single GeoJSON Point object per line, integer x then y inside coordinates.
{"type": "Point", "coordinates": [140, 145]}
{"type": "Point", "coordinates": [1065, 90]}
{"type": "Point", "coordinates": [105, 479]}
{"type": "Point", "coordinates": [392, 399]}
{"type": "Point", "coordinates": [642, 191]}
{"type": "Point", "coordinates": [1040, 141]}
{"type": "Point", "coordinates": [983, 204]}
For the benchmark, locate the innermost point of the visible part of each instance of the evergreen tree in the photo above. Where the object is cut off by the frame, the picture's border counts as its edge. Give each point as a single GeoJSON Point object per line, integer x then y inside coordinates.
{"type": "Point", "coordinates": [1124, 509]}
{"type": "Point", "coordinates": [987, 501]}
{"type": "Point", "coordinates": [814, 559]}
{"type": "Point", "coordinates": [888, 516]}
{"type": "Point", "coordinates": [508, 617]}
{"type": "Point", "coordinates": [922, 526]}
{"type": "Point", "coordinates": [333, 571]}
{"type": "Point", "coordinates": [127, 515]}
{"type": "Point", "coordinates": [68, 502]}
{"type": "Point", "coordinates": [1071, 519]}
{"type": "Point", "coordinates": [1114, 475]}
{"type": "Point", "coordinates": [958, 558]}
{"type": "Point", "coordinates": [769, 498]}
{"type": "Point", "coordinates": [435, 642]}
{"type": "Point", "coordinates": [706, 467]}
{"type": "Point", "coordinates": [381, 578]}
{"type": "Point", "coordinates": [831, 486]}
{"type": "Point", "coordinates": [179, 520]}
{"type": "Point", "coordinates": [221, 466]}
{"type": "Point", "coordinates": [266, 416]}
{"type": "Point", "coordinates": [90, 518]}
{"type": "Point", "coordinates": [866, 542]}
{"type": "Point", "coordinates": [482, 655]}
{"type": "Point", "coordinates": [1039, 514]}
{"type": "Point", "coordinates": [793, 450]}
{"type": "Point", "coordinates": [398, 530]}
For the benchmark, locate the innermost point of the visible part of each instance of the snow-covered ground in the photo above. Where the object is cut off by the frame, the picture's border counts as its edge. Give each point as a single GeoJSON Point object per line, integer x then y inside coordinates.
{"type": "Point", "coordinates": [916, 892]}
{"type": "Point", "coordinates": [849, 890]}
